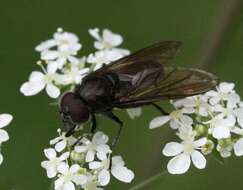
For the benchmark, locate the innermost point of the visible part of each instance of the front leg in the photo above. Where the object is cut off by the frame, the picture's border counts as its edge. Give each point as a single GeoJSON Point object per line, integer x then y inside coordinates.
{"type": "Point", "coordinates": [92, 131]}
{"type": "Point", "coordinates": [117, 120]}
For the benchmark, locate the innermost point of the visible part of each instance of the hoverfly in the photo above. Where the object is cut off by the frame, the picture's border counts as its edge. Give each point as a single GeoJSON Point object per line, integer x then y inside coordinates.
{"type": "Point", "coordinates": [139, 79]}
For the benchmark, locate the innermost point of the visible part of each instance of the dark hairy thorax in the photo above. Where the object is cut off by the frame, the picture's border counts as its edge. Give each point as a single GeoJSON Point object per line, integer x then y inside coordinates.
{"type": "Point", "coordinates": [98, 92]}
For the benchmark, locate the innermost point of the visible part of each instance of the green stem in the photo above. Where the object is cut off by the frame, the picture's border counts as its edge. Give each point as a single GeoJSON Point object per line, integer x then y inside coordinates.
{"type": "Point", "coordinates": [51, 187]}
{"type": "Point", "coordinates": [148, 181]}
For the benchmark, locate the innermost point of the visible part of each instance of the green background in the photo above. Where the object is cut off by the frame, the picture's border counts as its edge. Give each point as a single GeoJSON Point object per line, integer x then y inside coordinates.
{"type": "Point", "coordinates": [25, 23]}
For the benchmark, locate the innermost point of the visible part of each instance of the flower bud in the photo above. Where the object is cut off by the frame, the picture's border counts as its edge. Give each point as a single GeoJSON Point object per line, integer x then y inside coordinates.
{"type": "Point", "coordinates": [208, 147]}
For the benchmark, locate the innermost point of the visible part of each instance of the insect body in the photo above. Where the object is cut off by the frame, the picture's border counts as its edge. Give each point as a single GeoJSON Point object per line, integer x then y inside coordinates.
{"type": "Point", "coordinates": [139, 79]}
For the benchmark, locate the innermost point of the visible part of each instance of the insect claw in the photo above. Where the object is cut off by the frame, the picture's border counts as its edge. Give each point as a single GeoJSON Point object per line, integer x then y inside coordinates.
{"type": "Point", "coordinates": [110, 158]}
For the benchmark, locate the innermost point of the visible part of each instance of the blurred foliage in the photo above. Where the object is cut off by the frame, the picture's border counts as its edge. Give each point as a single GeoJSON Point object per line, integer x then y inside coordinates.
{"type": "Point", "coordinates": [25, 23]}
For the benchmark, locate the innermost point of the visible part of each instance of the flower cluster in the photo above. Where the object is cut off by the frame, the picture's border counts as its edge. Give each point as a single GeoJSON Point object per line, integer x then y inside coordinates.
{"type": "Point", "coordinates": [209, 123]}
{"type": "Point", "coordinates": [62, 68]}
{"type": "Point", "coordinates": [87, 164]}
{"type": "Point", "coordinates": [5, 119]}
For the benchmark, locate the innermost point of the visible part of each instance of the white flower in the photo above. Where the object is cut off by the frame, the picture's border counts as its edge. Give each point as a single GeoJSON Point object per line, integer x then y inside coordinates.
{"type": "Point", "coordinates": [134, 112]}
{"type": "Point", "coordinates": [96, 146]}
{"type": "Point", "coordinates": [221, 127]}
{"type": "Point", "coordinates": [68, 177]}
{"type": "Point", "coordinates": [66, 47]}
{"type": "Point", "coordinates": [228, 112]}
{"type": "Point", "coordinates": [74, 75]}
{"type": "Point", "coordinates": [62, 141]}
{"type": "Point", "coordinates": [225, 92]}
{"type": "Point", "coordinates": [184, 152]}
{"type": "Point", "coordinates": [38, 81]}
{"type": "Point", "coordinates": [91, 183]}
{"type": "Point", "coordinates": [176, 119]}
{"type": "Point", "coordinates": [104, 57]}
{"type": "Point", "coordinates": [5, 119]}
{"type": "Point", "coordinates": [53, 162]}
{"type": "Point", "coordinates": [108, 40]}
{"type": "Point", "coordinates": [225, 151]}
{"type": "Point", "coordinates": [195, 104]}
{"type": "Point", "coordinates": [118, 169]}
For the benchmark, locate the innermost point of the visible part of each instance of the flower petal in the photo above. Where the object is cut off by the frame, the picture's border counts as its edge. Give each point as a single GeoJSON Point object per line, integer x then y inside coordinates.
{"type": "Point", "coordinates": [5, 119]}
{"type": "Point", "coordinates": [74, 168]}
{"type": "Point", "coordinates": [60, 146]}
{"type": "Point", "coordinates": [46, 45]}
{"type": "Point", "coordinates": [80, 179]}
{"type": "Point", "coordinates": [159, 121]}
{"type": "Point", "coordinates": [200, 142]}
{"type": "Point", "coordinates": [186, 120]}
{"type": "Point", "coordinates": [90, 156]}
{"type": "Point", "coordinates": [100, 138]}
{"type": "Point", "coordinates": [134, 112]}
{"type": "Point", "coordinates": [58, 183]}
{"type": "Point", "coordinates": [101, 155]}
{"type": "Point", "coordinates": [123, 174]}
{"type": "Point", "coordinates": [240, 121]}
{"type": "Point", "coordinates": [104, 177]}
{"type": "Point", "coordinates": [95, 33]}
{"type": "Point", "coordinates": [221, 132]}
{"type": "Point", "coordinates": [174, 124]}
{"type": "Point", "coordinates": [1, 158]}
{"type": "Point", "coordinates": [51, 172]}
{"type": "Point", "coordinates": [212, 93]}
{"type": "Point", "coordinates": [95, 165]}
{"type": "Point", "coordinates": [64, 156]}
{"type": "Point", "coordinates": [172, 149]}
{"type": "Point", "coordinates": [68, 186]}
{"type": "Point", "coordinates": [214, 100]}
{"type": "Point", "coordinates": [50, 153]}
{"type": "Point", "coordinates": [32, 88]}
{"type": "Point", "coordinates": [52, 91]}
{"type": "Point", "coordinates": [80, 149]}
{"type": "Point", "coordinates": [63, 168]}
{"type": "Point", "coordinates": [229, 121]}
{"type": "Point", "coordinates": [198, 159]}
{"type": "Point", "coordinates": [238, 147]}
{"type": "Point", "coordinates": [179, 164]}
{"type": "Point", "coordinates": [226, 87]}
{"type": "Point", "coordinates": [3, 136]}
{"type": "Point", "coordinates": [117, 161]}
{"type": "Point", "coordinates": [49, 55]}
{"type": "Point", "coordinates": [103, 148]}
{"type": "Point", "coordinates": [36, 76]}
{"type": "Point", "coordinates": [112, 38]}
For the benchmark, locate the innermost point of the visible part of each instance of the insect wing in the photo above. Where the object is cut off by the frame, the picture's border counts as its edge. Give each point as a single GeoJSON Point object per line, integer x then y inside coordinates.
{"type": "Point", "coordinates": [176, 83]}
{"type": "Point", "coordinates": [160, 52]}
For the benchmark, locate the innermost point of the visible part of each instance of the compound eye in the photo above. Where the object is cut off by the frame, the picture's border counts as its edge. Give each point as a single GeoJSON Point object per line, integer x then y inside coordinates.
{"type": "Point", "coordinates": [72, 106]}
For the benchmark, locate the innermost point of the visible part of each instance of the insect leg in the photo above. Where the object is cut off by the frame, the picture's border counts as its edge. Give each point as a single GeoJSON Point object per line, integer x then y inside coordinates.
{"type": "Point", "coordinates": [93, 129]}
{"type": "Point", "coordinates": [115, 139]}
{"type": "Point", "coordinates": [160, 109]}
{"type": "Point", "coordinates": [94, 125]}
{"type": "Point", "coordinates": [117, 120]}
{"type": "Point", "coordinates": [70, 132]}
